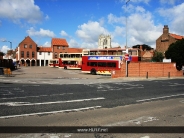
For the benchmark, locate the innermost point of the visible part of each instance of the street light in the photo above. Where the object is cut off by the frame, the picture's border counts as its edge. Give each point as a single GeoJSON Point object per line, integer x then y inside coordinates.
{"type": "Point", "coordinates": [10, 43]}
{"type": "Point", "coordinates": [126, 40]}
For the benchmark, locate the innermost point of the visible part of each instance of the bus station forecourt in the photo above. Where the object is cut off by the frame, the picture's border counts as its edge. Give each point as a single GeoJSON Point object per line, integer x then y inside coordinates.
{"type": "Point", "coordinates": [53, 75]}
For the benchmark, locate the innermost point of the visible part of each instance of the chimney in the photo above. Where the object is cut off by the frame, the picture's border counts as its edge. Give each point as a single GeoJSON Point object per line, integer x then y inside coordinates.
{"type": "Point", "coordinates": [165, 29]}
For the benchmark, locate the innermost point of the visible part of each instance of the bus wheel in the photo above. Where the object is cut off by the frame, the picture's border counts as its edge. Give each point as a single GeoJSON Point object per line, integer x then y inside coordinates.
{"type": "Point", "coordinates": [65, 67]}
{"type": "Point", "coordinates": [93, 71]}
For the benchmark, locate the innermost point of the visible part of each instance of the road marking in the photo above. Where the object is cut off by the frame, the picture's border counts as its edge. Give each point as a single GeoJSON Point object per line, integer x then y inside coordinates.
{"type": "Point", "coordinates": [137, 121]}
{"type": "Point", "coordinates": [159, 98]}
{"type": "Point", "coordinates": [52, 112]}
{"type": "Point", "coordinates": [57, 102]}
{"type": "Point", "coordinates": [35, 96]}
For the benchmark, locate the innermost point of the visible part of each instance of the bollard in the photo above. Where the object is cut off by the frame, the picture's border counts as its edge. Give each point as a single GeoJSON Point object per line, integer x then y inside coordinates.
{"type": "Point", "coordinates": [168, 74]}
{"type": "Point", "coordinates": [147, 75]}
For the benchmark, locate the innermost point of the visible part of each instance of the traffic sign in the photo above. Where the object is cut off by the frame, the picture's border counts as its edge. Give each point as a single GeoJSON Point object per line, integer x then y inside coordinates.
{"type": "Point", "coordinates": [127, 57]}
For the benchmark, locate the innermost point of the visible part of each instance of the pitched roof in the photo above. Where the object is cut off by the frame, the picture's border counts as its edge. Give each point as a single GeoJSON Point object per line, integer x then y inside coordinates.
{"type": "Point", "coordinates": [44, 49]}
{"type": "Point", "coordinates": [75, 50]}
{"type": "Point", "coordinates": [27, 38]}
{"type": "Point", "coordinates": [59, 41]}
{"type": "Point", "coordinates": [178, 37]}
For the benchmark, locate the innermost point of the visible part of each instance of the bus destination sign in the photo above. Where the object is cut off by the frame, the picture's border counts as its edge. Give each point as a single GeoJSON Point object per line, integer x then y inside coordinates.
{"type": "Point", "coordinates": [104, 57]}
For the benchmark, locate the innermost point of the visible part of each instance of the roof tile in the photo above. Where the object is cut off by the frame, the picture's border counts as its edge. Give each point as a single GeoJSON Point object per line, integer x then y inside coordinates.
{"type": "Point", "coordinates": [44, 49]}
{"type": "Point", "coordinates": [75, 50]}
{"type": "Point", "coordinates": [59, 41]}
{"type": "Point", "coordinates": [179, 37]}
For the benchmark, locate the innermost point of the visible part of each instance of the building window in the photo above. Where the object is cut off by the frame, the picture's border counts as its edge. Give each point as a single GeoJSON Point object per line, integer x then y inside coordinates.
{"type": "Point", "coordinates": [30, 46]}
{"type": "Point", "coordinates": [33, 54]}
{"type": "Point", "coordinates": [40, 53]}
{"type": "Point", "coordinates": [27, 53]}
{"type": "Point", "coordinates": [25, 45]}
{"type": "Point", "coordinates": [22, 54]}
{"type": "Point", "coordinates": [48, 53]}
{"type": "Point", "coordinates": [63, 47]}
{"type": "Point", "coordinates": [58, 47]}
{"type": "Point", "coordinates": [55, 55]}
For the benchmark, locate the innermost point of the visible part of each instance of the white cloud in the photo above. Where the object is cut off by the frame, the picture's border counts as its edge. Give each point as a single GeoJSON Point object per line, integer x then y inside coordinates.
{"type": "Point", "coordinates": [114, 19]}
{"type": "Point", "coordinates": [74, 43]}
{"type": "Point", "coordinates": [4, 49]}
{"type": "Point", "coordinates": [135, 1]}
{"type": "Point", "coordinates": [47, 17]}
{"type": "Point", "coordinates": [174, 17]}
{"type": "Point", "coordinates": [89, 32]}
{"type": "Point", "coordinates": [141, 29]}
{"type": "Point", "coordinates": [16, 10]}
{"type": "Point", "coordinates": [63, 33]}
{"type": "Point", "coordinates": [47, 44]}
{"type": "Point", "coordinates": [41, 32]}
{"type": "Point", "coordinates": [172, 2]}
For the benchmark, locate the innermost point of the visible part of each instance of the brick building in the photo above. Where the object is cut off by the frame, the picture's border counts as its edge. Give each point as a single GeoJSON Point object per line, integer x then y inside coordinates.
{"type": "Point", "coordinates": [59, 46]}
{"type": "Point", "coordinates": [26, 53]}
{"type": "Point", "coordinates": [163, 42]}
{"type": "Point", "coordinates": [29, 54]}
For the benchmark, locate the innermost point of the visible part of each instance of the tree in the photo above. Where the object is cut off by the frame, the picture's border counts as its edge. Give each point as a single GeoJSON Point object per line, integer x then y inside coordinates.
{"type": "Point", "coordinates": [175, 52]}
{"type": "Point", "coordinates": [157, 57]}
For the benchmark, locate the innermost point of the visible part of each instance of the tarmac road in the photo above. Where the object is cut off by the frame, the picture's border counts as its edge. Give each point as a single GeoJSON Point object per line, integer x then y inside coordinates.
{"type": "Point", "coordinates": [127, 102]}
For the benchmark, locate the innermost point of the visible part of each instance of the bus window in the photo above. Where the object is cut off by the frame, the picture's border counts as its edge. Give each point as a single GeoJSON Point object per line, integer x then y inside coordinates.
{"type": "Point", "coordinates": [111, 64]}
{"type": "Point", "coordinates": [61, 55]}
{"type": "Point", "coordinates": [65, 62]}
{"type": "Point", "coordinates": [72, 55]}
{"type": "Point", "coordinates": [101, 64]}
{"type": "Point", "coordinates": [73, 62]}
{"type": "Point", "coordinates": [65, 55]}
{"type": "Point", "coordinates": [94, 64]}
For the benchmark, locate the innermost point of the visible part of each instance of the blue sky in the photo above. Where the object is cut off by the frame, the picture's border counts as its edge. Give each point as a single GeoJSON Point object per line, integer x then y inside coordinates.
{"type": "Point", "coordinates": [81, 22]}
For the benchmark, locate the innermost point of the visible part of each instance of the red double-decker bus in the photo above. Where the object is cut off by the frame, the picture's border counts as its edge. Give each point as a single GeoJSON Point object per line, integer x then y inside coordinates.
{"type": "Point", "coordinates": [70, 60]}
{"type": "Point", "coordinates": [103, 61]}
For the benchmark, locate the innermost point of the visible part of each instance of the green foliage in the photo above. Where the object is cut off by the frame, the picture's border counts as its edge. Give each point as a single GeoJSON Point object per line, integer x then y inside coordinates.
{"type": "Point", "coordinates": [157, 57]}
{"type": "Point", "coordinates": [175, 52]}
{"type": "Point", "coordinates": [1, 54]}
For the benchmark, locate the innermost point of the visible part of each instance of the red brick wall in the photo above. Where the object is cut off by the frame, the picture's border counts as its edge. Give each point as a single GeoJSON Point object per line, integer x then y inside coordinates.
{"type": "Point", "coordinates": [140, 69]}
{"type": "Point", "coordinates": [60, 50]}
{"type": "Point", "coordinates": [28, 41]}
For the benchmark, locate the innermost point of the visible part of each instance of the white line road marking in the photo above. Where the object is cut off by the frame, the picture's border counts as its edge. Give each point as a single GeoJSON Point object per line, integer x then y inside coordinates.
{"type": "Point", "coordinates": [145, 137]}
{"type": "Point", "coordinates": [137, 121]}
{"type": "Point", "coordinates": [52, 112]}
{"type": "Point", "coordinates": [35, 96]}
{"type": "Point", "coordinates": [159, 98]}
{"type": "Point", "coordinates": [27, 103]}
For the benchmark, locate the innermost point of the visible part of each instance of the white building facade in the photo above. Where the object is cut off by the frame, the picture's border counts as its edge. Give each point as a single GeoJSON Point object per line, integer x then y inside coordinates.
{"type": "Point", "coordinates": [44, 55]}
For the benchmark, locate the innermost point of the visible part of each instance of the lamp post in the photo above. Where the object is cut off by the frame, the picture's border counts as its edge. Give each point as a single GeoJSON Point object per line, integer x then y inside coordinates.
{"type": "Point", "coordinates": [126, 40]}
{"type": "Point", "coordinates": [9, 42]}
